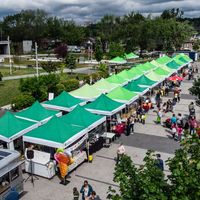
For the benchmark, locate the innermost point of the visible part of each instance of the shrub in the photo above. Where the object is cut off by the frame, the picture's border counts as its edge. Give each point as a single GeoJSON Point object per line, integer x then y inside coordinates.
{"type": "Point", "coordinates": [22, 101]}
{"type": "Point", "coordinates": [71, 84]}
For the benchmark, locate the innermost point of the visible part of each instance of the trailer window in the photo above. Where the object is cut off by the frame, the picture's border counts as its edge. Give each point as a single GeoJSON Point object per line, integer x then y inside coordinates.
{"type": "Point", "coordinates": [4, 183]}
{"type": "Point", "coordinates": [14, 173]}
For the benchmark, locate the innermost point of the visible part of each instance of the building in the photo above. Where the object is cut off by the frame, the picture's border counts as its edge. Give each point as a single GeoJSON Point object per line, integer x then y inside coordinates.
{"type": "Point", "coordinates": [4, 47]}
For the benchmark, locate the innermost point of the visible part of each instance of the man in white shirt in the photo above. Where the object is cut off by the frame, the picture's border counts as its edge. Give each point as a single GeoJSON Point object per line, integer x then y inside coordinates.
{"type": "Point", "coordinates": [120, 152]}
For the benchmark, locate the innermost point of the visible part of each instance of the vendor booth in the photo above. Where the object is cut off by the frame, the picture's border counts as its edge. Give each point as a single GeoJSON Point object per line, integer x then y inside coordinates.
{"type": "Point", "coordinates": [12, 128]}
{"type": "Point", "coordinates": [37, 113]}
{"type": "Point", "coordinates": [132, 86]}
{"type": "Point", "coordinates": [64, 102]}
{"type": "Point", "coordinates": [86, 93]}
{"type": "Point", "coordinates": [104, 86]}
{"type": "Point", "coordinates": [55, 134]}
{"type": "Point", "coordinates": [116, 79]}
{"type": "Point", "coordinates": [104, 106]}
{"type": "Point", "coordinates": [143, 81]}
{"type": "Point", "coordinates": [123, 95]}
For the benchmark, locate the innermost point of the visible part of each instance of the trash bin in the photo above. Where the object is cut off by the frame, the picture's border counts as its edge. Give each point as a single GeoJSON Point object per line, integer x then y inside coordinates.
{"type": "Point", "coordinates": [90, 158]}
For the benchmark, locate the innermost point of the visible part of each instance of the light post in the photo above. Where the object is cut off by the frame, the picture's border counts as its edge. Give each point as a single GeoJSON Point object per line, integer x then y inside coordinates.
{"type": "Point", "coordinates": [10, 62]}
{"type": "Point", "coordinates": [36, 60]}
{"type": "Point", "coordinates": [89, 50]}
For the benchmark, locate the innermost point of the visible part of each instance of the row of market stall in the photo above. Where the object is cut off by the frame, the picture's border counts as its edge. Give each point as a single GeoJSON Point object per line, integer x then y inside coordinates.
{"type": "Point", "coordinates": [86, 108]}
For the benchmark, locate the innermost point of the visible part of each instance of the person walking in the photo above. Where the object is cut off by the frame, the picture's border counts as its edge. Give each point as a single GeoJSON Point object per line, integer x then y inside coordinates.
{"type": "Point", "coordinates": [75, 194]}
{"type": "Point", "coordinates": [86, 190]}
{"type": "Point", "coordinates": [132, 124]}
{"type": "Point", "coordinates": [120, 152]}
{"type": "Point", "coordinates": [159, 116]}
{"type": "Point", "coordinates": [174, 130]}
{"type": "Point", "coordinates": [93, 196]}
{"type": "Point", "coordinates": [173, 119]}
{"type": "Point", "coordinates": [159, 162]}
{"type": "Point", "coordinates": [191, 109]}
{"type": "Point", "coordinates": [193, 124]}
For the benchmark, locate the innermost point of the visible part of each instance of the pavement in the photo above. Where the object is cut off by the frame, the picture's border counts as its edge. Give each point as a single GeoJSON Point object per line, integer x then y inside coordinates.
{"type": "Point", "coordinates": [99, 173]}
{"type": "Point", "coordinates": [83, 70]}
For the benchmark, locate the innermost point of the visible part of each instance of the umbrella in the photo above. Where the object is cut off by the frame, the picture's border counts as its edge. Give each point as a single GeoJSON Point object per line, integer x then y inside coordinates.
{"type": "Point", "coordinates": [175, 78]}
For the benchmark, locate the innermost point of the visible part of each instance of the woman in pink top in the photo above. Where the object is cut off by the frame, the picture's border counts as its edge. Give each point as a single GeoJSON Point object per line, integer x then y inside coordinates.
{"type": "Point", "coordinates": [193, 124]}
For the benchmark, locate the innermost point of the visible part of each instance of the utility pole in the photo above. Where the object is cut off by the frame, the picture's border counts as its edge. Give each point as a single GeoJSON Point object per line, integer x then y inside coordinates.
{"type": "Point", "coordinates": [10, 62]}
{"type": "Point", "coordinates": [36, 59]}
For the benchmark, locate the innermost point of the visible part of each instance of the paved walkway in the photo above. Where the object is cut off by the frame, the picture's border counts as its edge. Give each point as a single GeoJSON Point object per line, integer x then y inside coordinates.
{"type": "Point", "coordinates": [83, 70]}
{"type": "Point", "coordinates": [99, 173]}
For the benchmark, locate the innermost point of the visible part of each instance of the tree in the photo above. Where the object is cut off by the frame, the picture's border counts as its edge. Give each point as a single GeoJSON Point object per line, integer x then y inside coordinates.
{"type": "Point", "coordinates": [98, 50]}
{"type": "Point", "coordinates": [103, 70]}
{"type": "Point", "coordinates": [61, 51]}
{"type": "Point", "coordinates": [148, 182]}
{"type": "Point", "coordinates": [115, 50]}
{"type": "Point", "coordinates": [71, 84]}
{"type": "Point", "coordinates": [70, 62]}
{"type": "Point", "coordinates": [49, 66]}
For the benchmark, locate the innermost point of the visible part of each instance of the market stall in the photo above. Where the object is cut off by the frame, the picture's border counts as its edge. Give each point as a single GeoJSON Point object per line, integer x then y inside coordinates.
{"type": "Point", "coordinates": [63, 102]}
{"type": "Point", "coordinates": [116, 79]}
{"type": "Point", "coordinates": [56, 133]}
{"type": "Point", "coordinates": [37, 113]}
{"type": "Point", "coordinates": [12, 128]}
{"type": "Point", "coordinates": [86, 93]}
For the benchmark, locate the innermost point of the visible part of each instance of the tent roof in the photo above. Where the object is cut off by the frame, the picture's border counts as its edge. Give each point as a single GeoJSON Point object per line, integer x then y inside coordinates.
{"type": "Point", "coordinates": [164, 59]}
{"type": "Point", "coordinates": [64, 100]}
{"type": "Point", "coordinates": [131, 56]}
{"type": "Point", "coordinates": [132, 86]}
{"type": "Point", "coordinates": [186, 57]}
{"type": "Point", "coordinates": [154, 76]}
{"type": "Point", "coordinates": [173, 65]}
{"type": "Point", "coordinates": [36, 112]}
{"type": "Point", "coordinates": [11, 126]}
{"type": "Point", "coordinates": [105, 104]}
{"type": "Point", "coordinates": [163, 66]}
{"type": "Point", "coordinates": [86, 92]}
{"type": "Point", "coordinates": [122, 95]}
{"type": "Point", "coordinates": [104, 86]}
{"type": "Point", "coordinates": [81, 117]}
{"type": "Point", "coordinates": [149, 66]}
{"type": "Point", "coordinates": [162, 72]}
{"type": "Point", "coordinates": [117, 60]}
{"type": "Point", "coordinates": [55, 133]}
{"type": "Point", "coordinates": [128, 74]}
{"type": "Point", "coordinates": [116, 79]}
{"type": "Point", "coordinates": [135, 70]}
{"type": "Point", "coordinates": [144, 81]}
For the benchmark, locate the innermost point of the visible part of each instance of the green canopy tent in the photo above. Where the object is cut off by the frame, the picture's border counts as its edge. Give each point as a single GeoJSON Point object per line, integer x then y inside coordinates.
{"type": "Point", "coordinates": [164, 59]}
{"type": "Point", "coordinates": [37, 113]}
{"type": "Point", "coordinates": [12, 128]}
{"type": "Point", "coordinates": [118, 60]}
{"type": "Point", "coordinates": [127, 75]}
{"type": "Point", "coordinates": [136, 71]}
{"type": "Point", "coordinates": [186, 57]}
{"type": "Point", "coordinates": [130, 56]}
{"type": "Point", "coordinates": [86, 92]}
{"type": "Point", "coordinates": [143, 81]}
{"type": "Point", "coordinates": [162, 72]}
{"type": "Point", "coordinates": [104, 86]}
{"type": "Point", "coordinates": [64, 101]}
{"type": "Point", "coordinates": [135, 88]}
{"type": "Point", "coordinates": [174, 65]}
{"type": "Point", "coordinates": [181, 63]}
{"type": "Point", "coordinates": [103, 105]}
{"type": "Point", "coordinates": [81, 117]}
{"type": "Point", "coordinates": [122, 95]}
{"type": "Point", "coordinates": [155, 77]}
{"type": "Point", "coordinates": [117, 80]}
{"type": "Point", "coordinates": [55, 133]}
{"type": "Point", "coordinates": [163, 66]}
{"type": "Point", "coordinates": [149, 66]}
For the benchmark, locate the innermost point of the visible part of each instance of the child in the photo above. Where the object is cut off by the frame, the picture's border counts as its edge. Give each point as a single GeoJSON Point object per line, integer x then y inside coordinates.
{"type": "Point", "coordinates": [173, 130]}
{"type": "Point", "coordinates": [75, 193]}
{"type": "Point", "coordinates": [143, 118]}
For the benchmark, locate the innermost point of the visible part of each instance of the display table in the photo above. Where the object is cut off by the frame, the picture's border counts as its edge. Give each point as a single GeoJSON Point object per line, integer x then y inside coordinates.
{"type": "Point", "coordinates": [109, 137]}
{"type": "Point", "coordinates": [41, 165]}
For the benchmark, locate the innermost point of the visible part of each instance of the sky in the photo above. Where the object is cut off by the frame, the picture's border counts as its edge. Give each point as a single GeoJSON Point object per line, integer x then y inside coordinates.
{"type": "Point", "coordinates": [92, 10]}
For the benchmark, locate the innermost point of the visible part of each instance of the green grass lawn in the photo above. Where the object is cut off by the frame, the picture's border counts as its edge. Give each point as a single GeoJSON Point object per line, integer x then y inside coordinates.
{"type": "Point", "coordinates": [16, 71]}
{"type": "Point", "coordinates": [8, 90]}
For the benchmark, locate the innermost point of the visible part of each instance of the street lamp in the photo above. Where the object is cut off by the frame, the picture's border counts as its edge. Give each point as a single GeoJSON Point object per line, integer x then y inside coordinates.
{"type": "Point", "coordinates": [89, 50]}
{"type": "Point", "coordinates": [36, 59]}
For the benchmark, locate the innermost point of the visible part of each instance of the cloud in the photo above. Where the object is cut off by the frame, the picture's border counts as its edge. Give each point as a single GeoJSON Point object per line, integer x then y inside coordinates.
{"type": "Point", "coordinates": [92, 10]}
